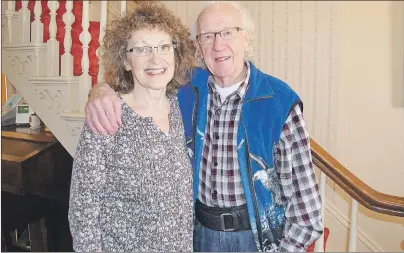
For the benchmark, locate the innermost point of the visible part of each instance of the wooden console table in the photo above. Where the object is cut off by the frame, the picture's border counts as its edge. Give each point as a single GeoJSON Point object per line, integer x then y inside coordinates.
{"type": "Point", "coordinates": [36, 172]}
{"type": "Point", "coordinates": [34, 162]}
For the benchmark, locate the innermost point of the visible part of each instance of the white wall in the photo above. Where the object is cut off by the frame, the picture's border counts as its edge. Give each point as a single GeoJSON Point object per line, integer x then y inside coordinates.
{"type": "Point", "coordinates": [370, 122]}
{"type": "Point", "coordinates": [340, 57]}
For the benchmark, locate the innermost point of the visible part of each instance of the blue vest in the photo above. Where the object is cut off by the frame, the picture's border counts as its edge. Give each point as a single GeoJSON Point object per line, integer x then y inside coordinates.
{"type": "Point", "coordinates": [266, 106]}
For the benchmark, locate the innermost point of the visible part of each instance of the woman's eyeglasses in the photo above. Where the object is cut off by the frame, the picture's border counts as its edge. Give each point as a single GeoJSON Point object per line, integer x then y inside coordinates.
{"type": "Point", "coordinates": [147, 51]}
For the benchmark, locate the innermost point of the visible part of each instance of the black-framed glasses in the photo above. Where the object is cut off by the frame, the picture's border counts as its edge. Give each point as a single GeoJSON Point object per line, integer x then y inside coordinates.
{"type": "Point", "coordinates": [226, 34]}
{"type": "Point", "coordinates": [147, 51]}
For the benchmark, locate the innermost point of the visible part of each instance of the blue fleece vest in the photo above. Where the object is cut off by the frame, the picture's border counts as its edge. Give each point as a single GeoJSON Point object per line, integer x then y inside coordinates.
{"type": "Point", "coordinates": [266, 105]}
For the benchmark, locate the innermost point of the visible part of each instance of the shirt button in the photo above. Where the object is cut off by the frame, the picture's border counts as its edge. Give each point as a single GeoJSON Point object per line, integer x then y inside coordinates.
{"type": "Point", "coordinates": [215, 163]}
{"type": "Point", "coordinates": [218, 111]}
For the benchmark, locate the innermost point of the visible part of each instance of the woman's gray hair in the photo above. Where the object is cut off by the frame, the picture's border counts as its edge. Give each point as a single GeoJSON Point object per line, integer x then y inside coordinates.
{"type": "Point", "coordinates": [247, 24]}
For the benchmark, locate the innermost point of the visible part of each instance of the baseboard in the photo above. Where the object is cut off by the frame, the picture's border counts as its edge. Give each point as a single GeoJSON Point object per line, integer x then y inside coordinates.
{"type": "Point", "coordinates": [344, 221]}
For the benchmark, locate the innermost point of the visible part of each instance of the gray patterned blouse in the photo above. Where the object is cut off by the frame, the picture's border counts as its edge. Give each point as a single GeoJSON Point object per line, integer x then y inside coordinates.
{"type": "Point", "coordinates": [132, 191]}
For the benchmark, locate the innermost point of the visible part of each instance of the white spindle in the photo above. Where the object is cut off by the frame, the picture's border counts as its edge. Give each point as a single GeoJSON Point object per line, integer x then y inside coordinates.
{"type": "Point", "coordinates": [25, 22]}
{"type": "Point", "coordinates": [123, 8]}
{"type": "Point", "coordinates": [37, 26]}
{"type": "Point", "coordinates": [103, 25]}
{"type": "Point", "coordinates": [319, 247]}
{"type": "Point", "coordinates": [9, 20]}
{"type": "Point", "coordinates": [52, 44]}
{"type": "Point", "coordinates": [354, 227]}
{"type": "Point", "coordinates": [67, 58]}
{"type": "Point", "coordinates": [85, 38]}
{"type": "Point", "coordinates": [11, 5]}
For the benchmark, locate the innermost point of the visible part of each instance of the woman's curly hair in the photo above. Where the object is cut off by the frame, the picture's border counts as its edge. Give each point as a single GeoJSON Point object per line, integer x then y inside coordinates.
{"type": "Point", "coordinates": [146, 15]}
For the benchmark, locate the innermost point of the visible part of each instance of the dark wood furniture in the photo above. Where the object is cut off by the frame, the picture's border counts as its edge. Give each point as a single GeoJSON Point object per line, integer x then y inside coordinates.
{"type": "Point", "coordinates": [36, 172]}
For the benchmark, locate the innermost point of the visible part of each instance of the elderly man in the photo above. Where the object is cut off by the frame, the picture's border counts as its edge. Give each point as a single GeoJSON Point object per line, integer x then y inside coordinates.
{"type": "Point", "coordinates": [254, 184]}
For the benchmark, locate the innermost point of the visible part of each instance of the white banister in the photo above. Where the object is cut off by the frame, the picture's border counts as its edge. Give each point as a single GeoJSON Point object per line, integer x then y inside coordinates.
{"type": "Point", "coordinates": [85, 38]}
{"type": "Point", "coordinates": [25, 22]}
{"type": "Point", "coordinates": [319, 247]}
{"type": "Point", "coordinates": [10, 18]}
{"type": "Point", "coordinates": [37, 26]}
{"type": "Point", "coordinates": [123, 8]}
{"type": "Point", "coordinates": [354, 227]}
{"type": "Point", "coordinates": [11, 5]}
{"type": "Point", "coordinates": [52, 45]}
{"type": "Point", "coordinates": [67, 58]}
{"type": "Point", "coordinates": [103, 25]}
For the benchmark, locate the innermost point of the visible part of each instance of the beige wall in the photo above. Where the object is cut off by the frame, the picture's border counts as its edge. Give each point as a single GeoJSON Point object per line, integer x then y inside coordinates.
{"type": "Point", "coordinates": [370, 120]}
{"type": "Point", "coordinates": [345, 59]}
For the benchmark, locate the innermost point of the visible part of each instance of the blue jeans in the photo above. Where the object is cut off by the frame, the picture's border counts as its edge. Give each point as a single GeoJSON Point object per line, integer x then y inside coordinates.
{"type": "Point", "coordinates": [208, 240]}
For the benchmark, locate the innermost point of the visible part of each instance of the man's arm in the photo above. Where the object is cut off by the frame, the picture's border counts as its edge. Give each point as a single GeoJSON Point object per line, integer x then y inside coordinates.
{"type": "Point", "coordinates": [88, 179]}
{"type": "Point", "coordinates": [293, 162]}
{"type": "Point", "coordinates": [103, 109]}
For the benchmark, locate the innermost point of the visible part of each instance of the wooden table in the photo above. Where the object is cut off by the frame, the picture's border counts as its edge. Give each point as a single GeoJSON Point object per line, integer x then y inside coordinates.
{"type": "Point", "coordinates": [36, 172]}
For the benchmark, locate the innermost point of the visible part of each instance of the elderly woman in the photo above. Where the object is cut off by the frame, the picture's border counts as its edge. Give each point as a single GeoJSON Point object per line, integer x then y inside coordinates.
{"type": "Point", "coordinates": [133, 191]}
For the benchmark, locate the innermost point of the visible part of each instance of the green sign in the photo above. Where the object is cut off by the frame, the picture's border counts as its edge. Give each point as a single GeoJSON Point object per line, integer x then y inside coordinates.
{"type": "Point", "coordinates": [23, 109]}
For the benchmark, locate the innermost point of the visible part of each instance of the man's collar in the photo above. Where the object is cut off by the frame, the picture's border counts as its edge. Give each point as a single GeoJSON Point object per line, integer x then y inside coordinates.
{"type": "Point", "coordinates": [241, 89]}
{"type": "Point", "coordinates": [259, 86]}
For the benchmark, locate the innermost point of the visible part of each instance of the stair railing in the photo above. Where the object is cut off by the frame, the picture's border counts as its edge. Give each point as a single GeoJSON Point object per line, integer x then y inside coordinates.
{"type": "Point", "coordinates": [358, 190]}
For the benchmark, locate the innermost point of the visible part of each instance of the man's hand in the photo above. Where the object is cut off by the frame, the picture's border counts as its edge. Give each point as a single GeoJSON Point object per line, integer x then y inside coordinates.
{"type": "Point", "coordinates": [103, 109]}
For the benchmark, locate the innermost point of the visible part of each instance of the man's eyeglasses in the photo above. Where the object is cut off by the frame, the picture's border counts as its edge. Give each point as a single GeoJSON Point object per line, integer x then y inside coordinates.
{"type": "Point", "coordinates": [146, 50]}
{"type": "Point", "coordinates": [226, 34]}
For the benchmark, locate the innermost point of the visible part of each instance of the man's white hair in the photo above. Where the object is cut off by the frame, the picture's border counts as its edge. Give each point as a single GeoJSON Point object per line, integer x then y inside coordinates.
{"type": "Point", "coordinates": [247, 24]}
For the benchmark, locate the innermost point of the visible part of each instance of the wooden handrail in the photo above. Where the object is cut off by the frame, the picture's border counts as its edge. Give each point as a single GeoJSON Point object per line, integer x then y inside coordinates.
{"type": "Point", "coordinates": [356, 188]}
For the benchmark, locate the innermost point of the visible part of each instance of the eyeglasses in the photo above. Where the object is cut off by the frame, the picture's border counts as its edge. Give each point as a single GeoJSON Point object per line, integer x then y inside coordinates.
{"type": "Point", "coordinates": [226, 34]}
{"type": "Point", "coordinates": [146, 50]}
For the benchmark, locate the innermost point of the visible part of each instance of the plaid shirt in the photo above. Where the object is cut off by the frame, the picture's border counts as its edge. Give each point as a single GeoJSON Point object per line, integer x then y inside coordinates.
{"type": "Point", "coordinates": [299, 188]}
{"type": "Point", "coordinates": [220, 181]}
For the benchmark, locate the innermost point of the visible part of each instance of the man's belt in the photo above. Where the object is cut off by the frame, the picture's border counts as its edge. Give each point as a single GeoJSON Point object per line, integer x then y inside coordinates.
{"type": "Point", "coordinates": [223, 219]}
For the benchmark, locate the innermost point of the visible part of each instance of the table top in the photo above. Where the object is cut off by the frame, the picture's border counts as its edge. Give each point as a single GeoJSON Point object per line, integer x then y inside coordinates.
{"type": "Point", "coordinates": [21, 143]}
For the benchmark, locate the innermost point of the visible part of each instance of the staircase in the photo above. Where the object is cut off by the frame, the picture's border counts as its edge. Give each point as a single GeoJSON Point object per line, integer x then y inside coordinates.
{"type": "Point", "coordinates": [50, 53]}
{"type": "Point", "coordinates": [43, 48]}
{"type": "Point", "coordinates": [49, 77]}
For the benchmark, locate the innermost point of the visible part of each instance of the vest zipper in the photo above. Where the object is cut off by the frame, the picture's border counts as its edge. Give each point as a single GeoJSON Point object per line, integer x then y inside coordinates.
{"type": "Point", "coordinates": [193, 143]}
{"type": "Point", "coordinates": [257, 217]}
{"type": "Point", "coordinates": [194, 110]}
